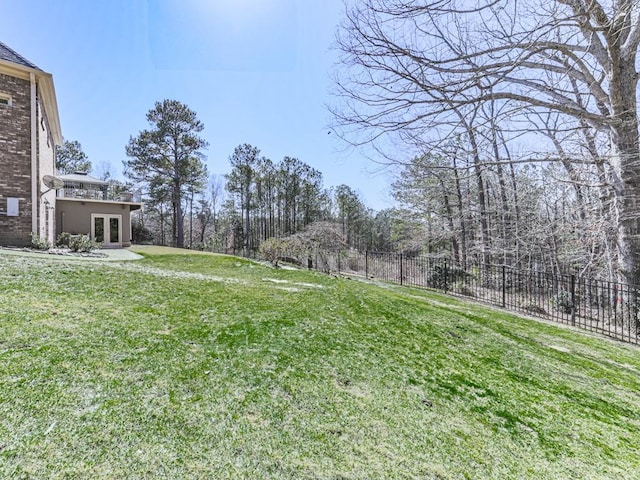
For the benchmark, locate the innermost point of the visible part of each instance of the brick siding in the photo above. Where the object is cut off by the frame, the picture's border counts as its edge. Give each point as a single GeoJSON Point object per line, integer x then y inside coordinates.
{"type": "Point", "coordinates": [15, 160]}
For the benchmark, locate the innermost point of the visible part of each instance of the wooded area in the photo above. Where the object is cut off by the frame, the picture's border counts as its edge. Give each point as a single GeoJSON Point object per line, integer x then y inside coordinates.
{"type": "Point", "coordinates": [510, 128]}
{"type": "Point", "coordinates": [261, 199]}
{"type": "Point", "coordinates": [522, 115]}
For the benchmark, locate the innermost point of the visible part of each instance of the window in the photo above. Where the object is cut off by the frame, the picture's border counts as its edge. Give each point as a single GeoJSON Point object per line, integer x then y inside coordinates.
{"type": "Point", "coordinates": [5, 99]}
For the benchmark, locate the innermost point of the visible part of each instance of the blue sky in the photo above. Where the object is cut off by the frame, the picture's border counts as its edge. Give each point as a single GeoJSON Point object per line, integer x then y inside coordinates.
{"type": "Point", "coordinates": [255, 71]}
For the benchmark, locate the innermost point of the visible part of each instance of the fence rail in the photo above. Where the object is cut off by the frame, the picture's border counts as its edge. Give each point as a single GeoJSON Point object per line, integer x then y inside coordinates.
{"type": "Point", "coordinates": [609, 308]}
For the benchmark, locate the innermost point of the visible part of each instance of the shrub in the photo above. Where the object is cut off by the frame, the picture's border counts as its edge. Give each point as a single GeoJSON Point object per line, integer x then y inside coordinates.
{"type": "Point", "coordinates": [141, 234]}
{"type": "Point", "coordinates": [535, 309]}
{"type": "Point", "coordinates": [562, 301]}
{"type": "Point", "coordinates": [77, 243]}
{"type": "Point", "coordinates": [466, 291]}
{"type": "Point", "coordinates": [63, 239]}
{"type": "Point", "coordinates": [353, 264]}
{"type": "Point", "coordinates": [273, 249]}
{"type": "Point", "coordinates": [82, 243]}
{"type": "Point", "coordinates": [39, 243]}
{"type": "Point", "coordinates": [441, 277]}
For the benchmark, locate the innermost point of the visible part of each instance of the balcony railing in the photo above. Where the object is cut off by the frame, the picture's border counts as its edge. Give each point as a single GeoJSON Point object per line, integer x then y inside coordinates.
{"type": "Point", "coordinates": [104, 194]}
{"type": "Point", "coordinates": [88, 193]}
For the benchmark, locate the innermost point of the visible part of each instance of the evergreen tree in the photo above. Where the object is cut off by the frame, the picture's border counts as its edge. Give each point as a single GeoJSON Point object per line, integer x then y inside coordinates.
{"type": "Point", "coordinates": [169, 153]}
{"type": "Point", "coordinates": [71, 158]}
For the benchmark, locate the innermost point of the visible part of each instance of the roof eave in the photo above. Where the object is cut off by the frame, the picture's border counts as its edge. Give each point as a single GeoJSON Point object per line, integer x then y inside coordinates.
{"type": "Point", "coordinates": [51, 106]}
{"type": "Point", "coordinates": [15, 68]}
{"type": "Point", "coordinates": [48, 93]}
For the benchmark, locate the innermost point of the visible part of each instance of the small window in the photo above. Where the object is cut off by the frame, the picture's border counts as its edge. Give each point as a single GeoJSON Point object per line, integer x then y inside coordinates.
{"type": "Point", "coordinates": [5, 99]}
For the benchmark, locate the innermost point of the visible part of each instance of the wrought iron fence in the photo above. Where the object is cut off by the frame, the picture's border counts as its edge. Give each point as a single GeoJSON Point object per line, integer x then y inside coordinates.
{"type": "Point", "coordinates": [609, 308]}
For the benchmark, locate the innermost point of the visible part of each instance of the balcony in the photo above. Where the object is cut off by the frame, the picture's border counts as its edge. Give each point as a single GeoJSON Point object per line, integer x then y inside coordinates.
{"type": "Point", "coordinates": [82, 192]}
{"type": "Point", "coordinates": [108, 194]}
{"type": "Point", "coordinates": [83, 186]}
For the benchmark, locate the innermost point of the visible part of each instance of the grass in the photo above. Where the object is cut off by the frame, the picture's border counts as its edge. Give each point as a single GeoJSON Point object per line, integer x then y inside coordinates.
{"type": "Point", "coordinates": [188, 365]}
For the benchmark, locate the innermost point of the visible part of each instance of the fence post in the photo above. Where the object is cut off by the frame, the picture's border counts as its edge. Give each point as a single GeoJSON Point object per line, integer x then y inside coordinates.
{"type": "Point", "coordinates": [401, 273]}
{"type": "Point", "coordinates": [504, 286]}
{"type": "Point", "coordinates": [446, 280]}
{"type": "Point", "coordinates": [338, 263]}
{"type": "Point", "coordinates": [366, 263]}
{"type": "Point", "coordinates": [573, 300]}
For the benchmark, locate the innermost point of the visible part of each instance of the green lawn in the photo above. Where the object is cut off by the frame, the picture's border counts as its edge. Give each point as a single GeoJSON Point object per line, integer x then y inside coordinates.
{"type": "Point", "coordinates": [201, 366]}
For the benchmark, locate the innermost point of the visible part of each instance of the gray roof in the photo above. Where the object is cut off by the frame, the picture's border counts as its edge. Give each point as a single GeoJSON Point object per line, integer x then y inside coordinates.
{"type": "Point", "coordinates": [12, 56]}
{"type": "Point", "coordinates": [82, 177]}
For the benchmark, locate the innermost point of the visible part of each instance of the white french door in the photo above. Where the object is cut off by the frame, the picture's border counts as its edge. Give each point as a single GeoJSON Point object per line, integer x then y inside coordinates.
{"type": "Point", "coordinates": [106, 229]}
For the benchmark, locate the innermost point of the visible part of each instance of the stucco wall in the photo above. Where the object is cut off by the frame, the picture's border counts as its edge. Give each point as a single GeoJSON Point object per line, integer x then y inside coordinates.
{"type": "Point", "coordinates": [46, 166]}
{"type": "Point", "coordinates": [74, 217]}
{"type": "Point", "coordinates": [15, 160]}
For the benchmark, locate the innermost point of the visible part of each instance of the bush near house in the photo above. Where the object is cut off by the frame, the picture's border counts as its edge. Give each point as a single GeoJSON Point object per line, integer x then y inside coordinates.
{"type": "Point", "coordinates": [39, 243]}
{"type": "Point", "coordinates": [77, 243]}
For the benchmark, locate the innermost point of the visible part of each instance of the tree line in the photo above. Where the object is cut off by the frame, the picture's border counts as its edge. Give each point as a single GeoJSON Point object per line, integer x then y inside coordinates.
{"type": "Point", "coordinates": [258, 199]}
{"type": "Point", "coordinates": [469, 200]}
{"type": "Point", "coordinates": [511, 128]}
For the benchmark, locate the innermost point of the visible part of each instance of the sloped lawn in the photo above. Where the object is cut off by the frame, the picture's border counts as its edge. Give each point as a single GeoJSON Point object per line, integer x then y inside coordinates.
{"type": "Point", "coordinates": [189, 365]}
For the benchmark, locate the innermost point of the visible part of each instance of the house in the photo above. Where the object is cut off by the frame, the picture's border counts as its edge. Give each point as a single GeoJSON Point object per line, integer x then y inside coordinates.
{"type": "Point", "coordinates": [100, 209]}
{"type": "Point", "coordinates": [29, 133]}
{"type": "Point", "coordinates": [32, 199]}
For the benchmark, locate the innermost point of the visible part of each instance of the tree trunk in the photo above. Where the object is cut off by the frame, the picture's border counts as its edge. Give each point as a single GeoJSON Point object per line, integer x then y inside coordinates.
{"type": "Point", "coordinates": [484, 225]}
{"type": "Point", "coordinates": [461, 213]}
{"type": "Point", "coordinates": [178, 221]}
{"type": "Point", "coordinates": [191, 220]}
{"type": "Point", "coordinates": [506, 211]}
{"type": "Point", "coordinates": [455, 247]}
{"type": "Point", "coordinates": [247, 221]}
{"type": "Point", "coordinates": [625, 162]}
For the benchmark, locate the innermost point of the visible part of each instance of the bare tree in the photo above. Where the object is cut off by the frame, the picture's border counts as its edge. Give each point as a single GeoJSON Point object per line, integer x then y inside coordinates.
{"type": "Point", "coordinates": [216, 195]}
{"type": "Point", "coordinates": [412, 64]}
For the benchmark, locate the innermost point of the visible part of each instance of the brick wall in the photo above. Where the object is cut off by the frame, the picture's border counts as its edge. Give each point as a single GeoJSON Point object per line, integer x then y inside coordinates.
{"type": "Point", "coordinates": [15, 160]}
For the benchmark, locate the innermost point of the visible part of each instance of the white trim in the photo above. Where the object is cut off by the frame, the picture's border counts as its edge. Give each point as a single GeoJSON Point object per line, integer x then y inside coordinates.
{"type": "Point", "coordinates": [34, 157]}
{"type": "Point", "coordinates": [50, 106]}
{"type": "Point", "coordinates": [15, 69]}
{"type": "Point", "coordinates": [5, 97]}
{"type": "Point", "coordinates": [132, 205]}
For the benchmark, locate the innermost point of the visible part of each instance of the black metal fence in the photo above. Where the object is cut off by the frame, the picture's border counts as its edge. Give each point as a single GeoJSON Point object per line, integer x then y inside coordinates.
{"type": "Point", "coordinates": [609, 308]}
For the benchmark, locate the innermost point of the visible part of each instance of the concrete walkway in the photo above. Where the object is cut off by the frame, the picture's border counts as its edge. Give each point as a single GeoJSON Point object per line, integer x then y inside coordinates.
{"type": "Point", "coordinates": [119, 254]}
{"type": "Point", "coordinates": [104, 255]}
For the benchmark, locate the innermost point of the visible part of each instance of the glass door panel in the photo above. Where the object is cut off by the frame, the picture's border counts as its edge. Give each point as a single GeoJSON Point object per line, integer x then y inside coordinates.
{"type": "Point", "coordinates": [114, 230]}
{"type": "Point", "coordinates": [98, 226]}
